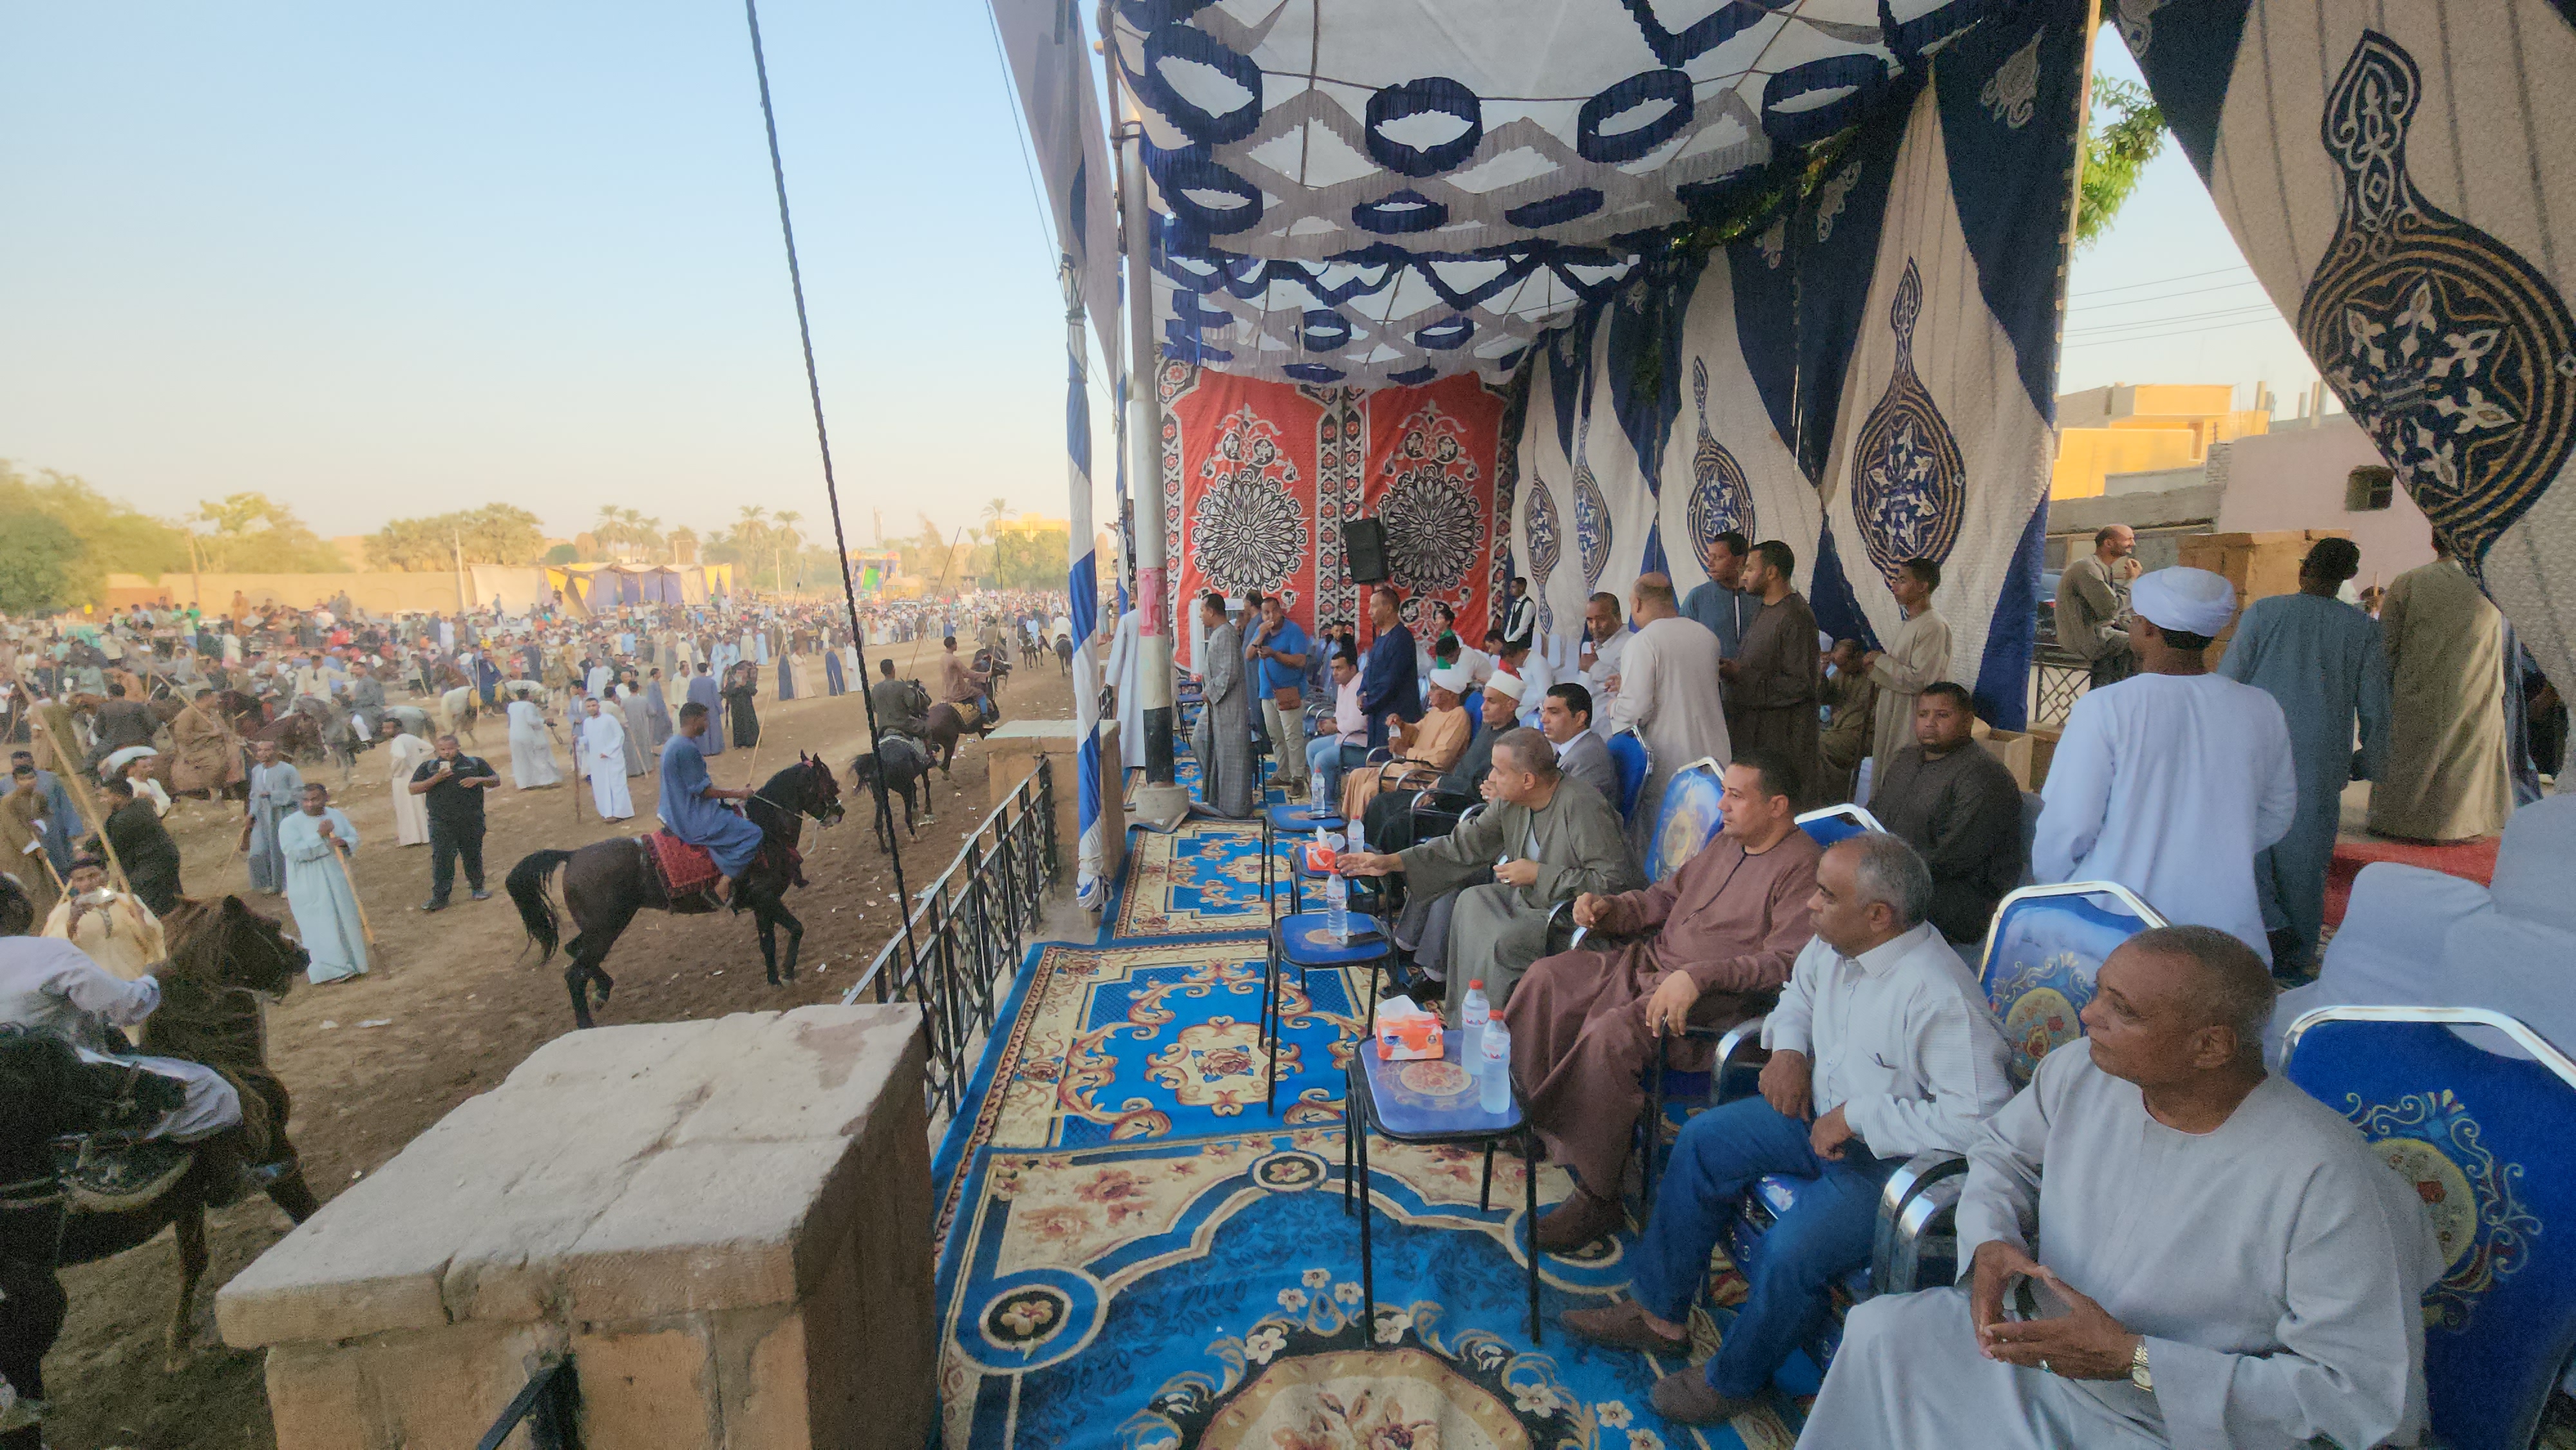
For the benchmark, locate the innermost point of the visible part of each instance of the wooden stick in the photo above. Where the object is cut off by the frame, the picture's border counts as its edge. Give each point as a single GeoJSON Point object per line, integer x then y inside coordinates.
{"type": "Point", "coordinates": [75, 782]}
{"type": "Point", "coordinates": [340, 859]}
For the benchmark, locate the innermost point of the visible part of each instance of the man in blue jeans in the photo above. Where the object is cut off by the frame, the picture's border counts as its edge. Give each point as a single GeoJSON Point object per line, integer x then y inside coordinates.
{"type": "Point", "coordinates": [1882, 1047]}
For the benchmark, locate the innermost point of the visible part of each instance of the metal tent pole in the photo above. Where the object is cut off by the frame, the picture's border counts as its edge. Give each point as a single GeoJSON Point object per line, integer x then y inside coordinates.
{"type": "Point", "coordinates": [1160, 802]}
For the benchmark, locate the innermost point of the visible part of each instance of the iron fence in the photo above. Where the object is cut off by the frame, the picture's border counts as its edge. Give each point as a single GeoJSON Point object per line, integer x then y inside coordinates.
{"type": "Point", "coordinates": [968, 928]}
{"type": "Point", "coordinates": [2058, 679]}
{"type": "Point", "coordinates": [549, 1404]}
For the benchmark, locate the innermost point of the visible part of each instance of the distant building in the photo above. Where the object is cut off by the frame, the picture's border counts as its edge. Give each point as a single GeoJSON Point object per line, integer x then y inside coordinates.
{"type": "Point", "coordinates": [2142, 428]}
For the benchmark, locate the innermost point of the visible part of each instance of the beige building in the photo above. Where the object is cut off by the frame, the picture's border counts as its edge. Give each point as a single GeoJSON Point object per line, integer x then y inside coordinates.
{"type": "Point", "coordinates": [2140, 428]}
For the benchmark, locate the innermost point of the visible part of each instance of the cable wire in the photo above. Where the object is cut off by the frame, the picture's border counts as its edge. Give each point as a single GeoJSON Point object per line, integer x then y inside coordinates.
{"type": "Point", "coordinates": [832, 491]}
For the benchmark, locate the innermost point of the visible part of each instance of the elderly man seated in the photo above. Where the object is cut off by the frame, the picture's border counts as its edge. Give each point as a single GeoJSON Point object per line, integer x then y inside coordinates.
{"type": "Point", "coordinates": [1960, 807]}
{"type": "Point", "coordinates": [1586, 1023]}
{"type": "Point", "coordinates": [1882, 1047]}
{"type": "Point", "coordinates": [2219, 1259]}
{"type": "Point", "coordinates": [1541, 839]}
{"type": "Point", "coordinates": [1423, 748]}
{"type": "Point", "coordinates": [1390, 818]}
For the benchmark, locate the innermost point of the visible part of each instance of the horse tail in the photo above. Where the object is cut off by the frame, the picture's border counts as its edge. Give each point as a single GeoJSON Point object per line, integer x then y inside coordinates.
{"type": "Point", "coordinates": [527, 887]}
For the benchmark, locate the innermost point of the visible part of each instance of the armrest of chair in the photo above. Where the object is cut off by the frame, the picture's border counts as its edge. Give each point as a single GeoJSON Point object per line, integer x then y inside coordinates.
{"type": "Point", "coordinates": [1562, 934]}
{"type": "Point", "coordinates": [1917, 1221]}
{"type": "Point", "coordinates": [1737, 1072]}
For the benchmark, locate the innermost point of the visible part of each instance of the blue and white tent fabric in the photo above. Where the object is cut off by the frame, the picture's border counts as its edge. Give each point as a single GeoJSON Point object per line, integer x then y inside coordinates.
{"type": "Point", "coordinates": [1867, 376]}
{"type": "Point", "coordinates": [2397, 174]}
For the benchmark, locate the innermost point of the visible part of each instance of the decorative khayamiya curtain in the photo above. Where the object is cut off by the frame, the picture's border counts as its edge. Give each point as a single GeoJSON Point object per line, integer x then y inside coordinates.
{"type": "Point", "coordinates": [1868, 376]}
{"type": "Point", "coordinates": [2397, 173]}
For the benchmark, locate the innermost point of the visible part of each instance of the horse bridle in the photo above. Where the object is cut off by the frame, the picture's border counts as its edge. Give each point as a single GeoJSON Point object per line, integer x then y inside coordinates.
{"type": "Point", "coordinates": [817, 816]}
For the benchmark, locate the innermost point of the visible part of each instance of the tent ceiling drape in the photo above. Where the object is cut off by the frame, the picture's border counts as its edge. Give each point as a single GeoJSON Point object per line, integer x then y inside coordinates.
{"type": "Point", "coordinates": [1408, 189]}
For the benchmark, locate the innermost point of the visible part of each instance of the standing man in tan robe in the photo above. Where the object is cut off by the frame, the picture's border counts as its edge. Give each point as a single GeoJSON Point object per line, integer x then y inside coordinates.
{"type": "Point", "coordinates": [404, 753]}
{"type": "Point", "coordinates": [1774, 682]}
{"type": "Point", "coordinates": [1668, 693]}
{"type": "Point", "coordinates": [1585, 1024]}
{"type": "Point", "coordinates": [1918, 656]}
{"type": "Point", "coordinates": [2445, 777]}
{"type": "Point", "coordinates": [208, 754]}
{"type": "Point", "coordinates": [2093, 606]}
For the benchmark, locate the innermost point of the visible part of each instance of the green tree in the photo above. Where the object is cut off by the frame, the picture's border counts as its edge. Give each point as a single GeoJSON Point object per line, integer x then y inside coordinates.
{"type": "Point", "coordinates": [497, 533]}
{"type": "Point", "coordinates": [2125, 131]}
{"type": "Point", "coordinates": [110, 537]}
{"type": "Point", "coordinates": [41, 563]}
{"type": "Point", "coordinates": [563, 554]}
{"type": "Point", "coordinates": [255, 534]}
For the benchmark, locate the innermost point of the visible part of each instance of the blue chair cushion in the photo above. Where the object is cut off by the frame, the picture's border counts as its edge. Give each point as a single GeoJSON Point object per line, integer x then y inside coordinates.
{"type": "Point", "coordinates": [2040, 965]}
{"type": "Point", "coordinates": [1305, 940]}
{"type": "Point", "coordinates": [1686, 821]}
{"type": "Point", "coordinates": [1299, 820]}
{"type": "Point", "coordinates": [1628, 755]}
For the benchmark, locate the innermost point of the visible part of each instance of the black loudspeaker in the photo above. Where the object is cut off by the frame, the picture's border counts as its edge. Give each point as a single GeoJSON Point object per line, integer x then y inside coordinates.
{"type": "Point", "coordinates": [1364, 549]}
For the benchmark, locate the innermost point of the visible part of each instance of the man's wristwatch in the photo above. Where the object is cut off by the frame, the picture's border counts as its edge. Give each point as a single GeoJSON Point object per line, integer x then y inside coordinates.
{"type": "Point", "coordinates": [2139, 1374]}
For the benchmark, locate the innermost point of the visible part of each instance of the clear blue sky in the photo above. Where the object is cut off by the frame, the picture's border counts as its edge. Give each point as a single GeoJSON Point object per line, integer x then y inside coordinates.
{"type": "Point", "coordinates": [381, 260]}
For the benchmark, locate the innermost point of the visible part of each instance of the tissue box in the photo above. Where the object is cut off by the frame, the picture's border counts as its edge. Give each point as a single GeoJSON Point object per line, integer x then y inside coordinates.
{"type": "Point", "coordinates": [1320, 859]}
{"type": "Point", "coordinates": [1405, 1032]}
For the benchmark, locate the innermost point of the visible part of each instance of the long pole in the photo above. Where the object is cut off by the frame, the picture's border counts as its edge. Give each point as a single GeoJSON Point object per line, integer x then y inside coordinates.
{"type": "Point", "coordinates": [1160, 800]}
{"type": "Point", "coordinates": [831, 487]}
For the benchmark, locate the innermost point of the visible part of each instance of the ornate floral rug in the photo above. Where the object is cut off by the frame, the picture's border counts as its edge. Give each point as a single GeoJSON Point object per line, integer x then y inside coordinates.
{"type": "Point", "coordinates": [1206, 1292]}
{"type": "Point", "coordinates": [1201, 879]}
{"type": "Point", "coordinates": [1111, 1043]}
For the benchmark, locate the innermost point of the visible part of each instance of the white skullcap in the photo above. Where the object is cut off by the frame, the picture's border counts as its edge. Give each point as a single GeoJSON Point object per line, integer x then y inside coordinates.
{"type": "Point", "coordinates": [1452, 679]}
{"type": "Point", "coordinates": [1507, 685]}
{"type": "Point", "coordinates": [2194, 601]}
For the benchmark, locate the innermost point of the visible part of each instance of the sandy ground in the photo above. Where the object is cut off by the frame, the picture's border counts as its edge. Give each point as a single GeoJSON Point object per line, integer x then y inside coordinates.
{"type": "Point", "coordinates": [456, 1001]}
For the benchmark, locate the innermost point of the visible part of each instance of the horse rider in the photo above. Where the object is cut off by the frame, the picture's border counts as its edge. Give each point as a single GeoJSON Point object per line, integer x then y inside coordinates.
{"type": "Point", "coordinates": [895, 703]}
{"type": "Point", "coordinates": [49, 985]}
{"type": "Point", "coordinates": [961, 684]}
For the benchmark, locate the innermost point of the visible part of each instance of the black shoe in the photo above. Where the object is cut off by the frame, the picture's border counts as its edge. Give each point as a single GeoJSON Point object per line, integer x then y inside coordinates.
{"type": "Point", "coordinates": [433, 906]}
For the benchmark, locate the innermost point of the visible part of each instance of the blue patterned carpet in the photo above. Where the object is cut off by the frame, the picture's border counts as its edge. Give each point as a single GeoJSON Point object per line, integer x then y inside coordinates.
{"type": "Point", "coordinates": [1138, 1255]}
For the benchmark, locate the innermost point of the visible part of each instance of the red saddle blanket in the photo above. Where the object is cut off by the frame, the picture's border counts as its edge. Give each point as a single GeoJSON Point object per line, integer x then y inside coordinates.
{"type": "Point", "coordinates": [685, 868]}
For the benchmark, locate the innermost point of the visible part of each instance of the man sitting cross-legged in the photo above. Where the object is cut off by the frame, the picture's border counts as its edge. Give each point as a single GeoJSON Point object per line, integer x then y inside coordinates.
{"type": "Point", "coordinates": [1585, 1024]}
{"type": "Point", "coordinates": [2210, 1256]}
{"type": "Point", "coordinates": [1390, 817]}
{"type": "Point", "coordinates": [1882, 1047]}
{"type": "Point", "coordinates": [1542, 839]}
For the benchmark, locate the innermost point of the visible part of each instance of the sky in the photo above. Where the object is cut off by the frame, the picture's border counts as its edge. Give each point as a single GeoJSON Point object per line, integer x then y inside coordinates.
{"type": "Point", "coordinates": [381, 261]}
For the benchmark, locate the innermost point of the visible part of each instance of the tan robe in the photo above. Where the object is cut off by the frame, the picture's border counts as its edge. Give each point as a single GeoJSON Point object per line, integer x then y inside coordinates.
{"type": "Point", "coordinates": [209, 752]}
{"type": "Point", "coordinates": [1496, 931]}
{"type": "Point", "coordinates": [2445, 776]}
{"type": "Point", "coordinates": [1668, 691]}
{"type": "Point", "coordinates": [122, 936]}
{"type": "Point", "coordinates": [1851, 701]}
{"type": "Point", "coordinates": [1918, 656]}
{"type": "Point", "coordinates": [1734, 923]}
{"type": "Point", "coordinates": [34, 870]}
{"type": "Point", "coordinates": [1433, 743]}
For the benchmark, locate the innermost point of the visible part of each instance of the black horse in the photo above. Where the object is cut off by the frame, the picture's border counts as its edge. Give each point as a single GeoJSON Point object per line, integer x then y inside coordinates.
{"type": "Point", "coordinates": [607, 882]}
{"type": "Point", "coordinates": [900, 764]}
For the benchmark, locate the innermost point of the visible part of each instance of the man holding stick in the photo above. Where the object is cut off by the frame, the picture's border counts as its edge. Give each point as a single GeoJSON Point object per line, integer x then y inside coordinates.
{"type": "Point", "coordinates": [328, 919]}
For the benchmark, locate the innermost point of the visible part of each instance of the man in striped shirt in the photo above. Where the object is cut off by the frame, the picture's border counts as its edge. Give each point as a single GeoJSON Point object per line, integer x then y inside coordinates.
{"type": "Point", "coordinates": [1882, 1047]}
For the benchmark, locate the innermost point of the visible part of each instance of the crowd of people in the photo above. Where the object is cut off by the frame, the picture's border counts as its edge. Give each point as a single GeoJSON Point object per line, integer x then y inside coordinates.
{"type": "Point", "coordinates": [2214, 793]}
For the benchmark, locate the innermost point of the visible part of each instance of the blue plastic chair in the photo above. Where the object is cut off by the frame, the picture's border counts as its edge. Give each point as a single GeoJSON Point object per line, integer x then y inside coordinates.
{"type": "Point", "coordinates": [1628, 754]}
{"type": "Point", "coordinates": [1302, 941]}
{"type": "Point", "coordinates": [1837, 823]}
{"type": "Point", "coordinates": [2046, 944]}
{"type": "Point", "coordinates": [2484, 1139]}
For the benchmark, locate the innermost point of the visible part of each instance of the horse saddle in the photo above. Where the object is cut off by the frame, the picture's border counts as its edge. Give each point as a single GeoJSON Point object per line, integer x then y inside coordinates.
{"type": "Point", "coordinates": [104, 1175]}
{"type": "Point", "coordinates": [686, 871]}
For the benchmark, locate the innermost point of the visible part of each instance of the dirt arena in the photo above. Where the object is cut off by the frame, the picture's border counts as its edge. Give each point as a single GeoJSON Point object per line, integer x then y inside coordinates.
{"type": "Point", "coordinates": [454, 1002]}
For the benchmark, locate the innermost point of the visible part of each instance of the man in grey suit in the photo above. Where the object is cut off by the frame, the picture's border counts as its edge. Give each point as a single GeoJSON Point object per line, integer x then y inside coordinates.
{"type": "Point", "coordinates": [1565, 717]}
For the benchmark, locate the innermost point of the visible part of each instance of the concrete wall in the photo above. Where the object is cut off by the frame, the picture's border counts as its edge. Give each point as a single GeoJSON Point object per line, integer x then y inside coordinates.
{"type": "Point", "coordinates": [2295, 479]}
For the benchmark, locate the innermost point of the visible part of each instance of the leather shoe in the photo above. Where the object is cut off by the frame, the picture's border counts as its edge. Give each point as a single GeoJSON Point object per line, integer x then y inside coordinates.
{"type": "Point", "coordinates": [1579, 1220]}
{"type": "Point", "coordinates": [1685, 1398]}
{"type": "Point", "coordinates": [1621, 1326]}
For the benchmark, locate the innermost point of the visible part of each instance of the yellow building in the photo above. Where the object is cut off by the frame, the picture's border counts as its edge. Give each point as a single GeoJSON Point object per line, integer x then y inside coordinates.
{"type": "Point", "coordinates": [1032, 524]}
{"type": "Point", "coordinates": [2146, 428]}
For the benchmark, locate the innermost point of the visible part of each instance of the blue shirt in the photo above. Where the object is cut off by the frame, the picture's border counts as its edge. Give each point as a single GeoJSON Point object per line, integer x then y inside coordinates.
{"type": "Point", "coordinates": [730, 838]}
{"type": "Point", "coordinates": [1388, 685]}
{"type": "Point", "coordinates": [1724, 612]}
{"type": "Point", "coordinates": [1288, 640]}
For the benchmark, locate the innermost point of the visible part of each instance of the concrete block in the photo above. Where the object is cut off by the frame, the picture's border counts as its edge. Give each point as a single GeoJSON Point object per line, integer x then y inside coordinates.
{"type": "Point", "coordinates": [648, 1390]}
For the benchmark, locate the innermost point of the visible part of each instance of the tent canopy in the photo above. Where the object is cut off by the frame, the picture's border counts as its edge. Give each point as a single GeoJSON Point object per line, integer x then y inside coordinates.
{"type": "Point", "coordinates": [1409, 189]}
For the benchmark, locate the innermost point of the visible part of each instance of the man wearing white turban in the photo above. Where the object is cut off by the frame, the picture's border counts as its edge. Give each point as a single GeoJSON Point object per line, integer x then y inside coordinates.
{"type": "Point", "coordinates": [2170, 781]}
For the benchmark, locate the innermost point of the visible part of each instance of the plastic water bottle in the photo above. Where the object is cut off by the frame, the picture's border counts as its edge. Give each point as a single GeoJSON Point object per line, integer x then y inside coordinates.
{"type": "Point", "coordinates": [1315, 794]}
{"type": "Point", "coordinates": [1337, 908]}
{"type": "Point", "coordinates": [1494, 1078]}
{"type": "Point", "coordinates": [1473, 1014]}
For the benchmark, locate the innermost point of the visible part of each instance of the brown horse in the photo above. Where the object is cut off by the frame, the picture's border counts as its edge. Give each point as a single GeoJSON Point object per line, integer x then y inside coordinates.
{"type": "Point", "coordinates": [224, 958]}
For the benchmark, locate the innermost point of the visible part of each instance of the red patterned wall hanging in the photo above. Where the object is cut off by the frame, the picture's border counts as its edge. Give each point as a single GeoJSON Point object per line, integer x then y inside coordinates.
{"type": "Point", "coordinates": [1430, 480]}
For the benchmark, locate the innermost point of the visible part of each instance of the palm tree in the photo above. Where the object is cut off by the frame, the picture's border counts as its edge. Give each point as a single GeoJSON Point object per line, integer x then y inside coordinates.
{"type": "Point", "coordinates": [784, 540]}
{"type": "Point", "coordinates": [996, 510]}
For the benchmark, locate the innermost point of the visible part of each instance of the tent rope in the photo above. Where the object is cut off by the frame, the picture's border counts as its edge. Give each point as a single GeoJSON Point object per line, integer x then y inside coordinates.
{"type": "Point", "coordinates": [831, 485]}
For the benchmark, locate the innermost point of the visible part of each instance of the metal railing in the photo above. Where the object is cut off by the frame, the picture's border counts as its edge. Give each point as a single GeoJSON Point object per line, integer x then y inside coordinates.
{"type": "Point", "coordinates": [2058, 679]}
{"type": "Point", "coordinates": [968, 929]}
{"type": "Point", "coordinates": [549, 1404]}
